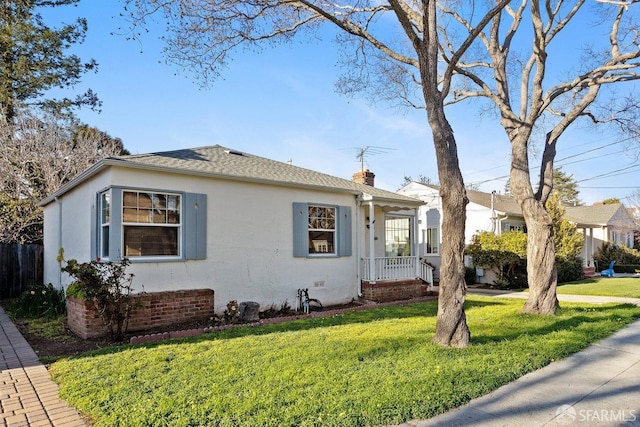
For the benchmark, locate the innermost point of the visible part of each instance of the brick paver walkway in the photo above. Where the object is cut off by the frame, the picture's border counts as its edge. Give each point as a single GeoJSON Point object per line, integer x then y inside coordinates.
{"type": "Point", "coordinates": [28, 396]}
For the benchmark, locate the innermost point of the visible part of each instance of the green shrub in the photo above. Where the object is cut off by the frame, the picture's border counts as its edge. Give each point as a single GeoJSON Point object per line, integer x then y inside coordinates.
{"type": "Point", "coordinates": [569, 269]}
{"type": "Point", "coordinates": [40, 301]}
{"type": "Point", "coordinates": [620, 254]}
{"type": "Point", "coordinates": [107, 286]}
{"type": "Point", "coordinates": [74, 290]}
{"type": "Point", "coordinates": [626, 268]}
{"type": "Point", "coordinates": [470, 277]}
{"type": "Point", "coordinates": [505, 254]}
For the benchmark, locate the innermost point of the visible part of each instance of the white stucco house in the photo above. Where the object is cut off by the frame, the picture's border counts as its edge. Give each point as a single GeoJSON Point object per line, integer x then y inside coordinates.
{"type": "Point", "coordinates": [500, 213]}
{"type": "Point", "coordinates": [250, 228]}
{"type": "Point", "coordinates": [485, 212]}
{"type": "Point", "coordinates": [611, 223]}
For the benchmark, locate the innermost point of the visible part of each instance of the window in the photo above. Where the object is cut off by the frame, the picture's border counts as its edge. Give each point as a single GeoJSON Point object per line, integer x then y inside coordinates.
{"type": "Point", "coordinates": [321, 230]}
{"type": "Point", "coordinates": [515, 227]}
{"type": "Point", "coordinates": [397, 236]}
{"type": "Point", "coordinates": [151, 224]}
{"type": "Point", "coordinates": [431, 239]}
{"type": "Point", "coordinates": [105, 216]}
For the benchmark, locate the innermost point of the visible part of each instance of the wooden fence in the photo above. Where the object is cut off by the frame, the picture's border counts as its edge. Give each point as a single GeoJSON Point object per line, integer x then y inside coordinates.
{"type": "Point", "coordinates": [20, 268]}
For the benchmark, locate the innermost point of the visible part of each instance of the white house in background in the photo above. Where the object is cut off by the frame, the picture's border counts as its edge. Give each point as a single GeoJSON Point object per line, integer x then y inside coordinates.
{"type": "Point", "coordinates": [250, 228]}
{"type": "Point", "coordinates": [611, 223]}
{"type": "Point", "coordinates": [485, 212]}
{"type": "Point", "coordinates": [500, 213]}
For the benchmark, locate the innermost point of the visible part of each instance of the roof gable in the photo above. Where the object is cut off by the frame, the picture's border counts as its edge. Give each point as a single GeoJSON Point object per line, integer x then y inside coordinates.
{"type": "Point", "coordinates": [614, 214]}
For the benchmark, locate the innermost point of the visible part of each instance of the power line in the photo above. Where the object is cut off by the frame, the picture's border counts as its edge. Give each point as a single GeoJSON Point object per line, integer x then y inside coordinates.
{"type": "Point", "coordinates": [610, 174]}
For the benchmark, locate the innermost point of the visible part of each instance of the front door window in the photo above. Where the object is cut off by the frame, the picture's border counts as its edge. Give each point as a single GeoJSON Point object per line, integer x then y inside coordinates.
{"type": "Point", "coordinates": [397, 236]}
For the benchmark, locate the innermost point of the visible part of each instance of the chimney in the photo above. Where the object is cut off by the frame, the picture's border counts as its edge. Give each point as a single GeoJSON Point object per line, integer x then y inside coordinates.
{"type": "Point", "coordinates": [364, 177]}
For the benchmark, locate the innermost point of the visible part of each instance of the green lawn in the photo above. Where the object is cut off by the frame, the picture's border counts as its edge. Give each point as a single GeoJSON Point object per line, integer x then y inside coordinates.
{"type": "Point", "coordinates": [365, 368]}
{"type": "Point", "coordinates": [605, 286]}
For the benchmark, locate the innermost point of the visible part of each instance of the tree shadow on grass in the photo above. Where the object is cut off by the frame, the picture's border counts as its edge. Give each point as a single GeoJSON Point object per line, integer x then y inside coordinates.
{"type": "Point", "coordinates": [558, 324]}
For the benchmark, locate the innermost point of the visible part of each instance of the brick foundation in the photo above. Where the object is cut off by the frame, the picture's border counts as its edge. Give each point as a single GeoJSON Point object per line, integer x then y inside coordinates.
{"type": "Point", "coordinates": [150, 311]}
{"type": "Point", "coordinates": [393, 291]}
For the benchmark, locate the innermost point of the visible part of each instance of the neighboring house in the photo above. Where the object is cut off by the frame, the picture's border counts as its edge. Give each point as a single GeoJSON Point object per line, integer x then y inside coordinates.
{"type": "Point", "coordinates": [250, 228]}
{"type": "Point", "coordinates": [500, 213]}
{"type": "Point", "coordinates": [485, 212]}
{"type": "Point", "coordinates": [611, 223]}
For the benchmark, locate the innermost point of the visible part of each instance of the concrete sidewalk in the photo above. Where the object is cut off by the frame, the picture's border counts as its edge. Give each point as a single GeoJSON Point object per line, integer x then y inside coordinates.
{"type": "Point", "coordinates": [28, 396]}
{"type": "Point", "coordinates": [600, 386]}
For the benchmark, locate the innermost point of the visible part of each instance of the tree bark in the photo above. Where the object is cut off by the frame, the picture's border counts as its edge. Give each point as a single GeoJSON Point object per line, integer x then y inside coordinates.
{"type": "Point", "coordinates": [451, 323]}
{"type": "Point", "coordinates": [542, 274]}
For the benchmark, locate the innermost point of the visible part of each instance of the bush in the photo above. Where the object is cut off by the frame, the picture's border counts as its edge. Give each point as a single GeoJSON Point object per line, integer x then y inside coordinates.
{"type": "Point", "coordinates": [626, 268]}
{"type": "Point", "coordinates": [40, 301]}
{"type": "Point", "coordinates": [108, 286]}
{"type": "Point", "coordinates": [620, 254]}
{"type": "Point", "coordinates": [504, 254]}
{"type": "Point", "coordinates": [470, 277]}
{"type": "Point", "coordinates": [569, 269]}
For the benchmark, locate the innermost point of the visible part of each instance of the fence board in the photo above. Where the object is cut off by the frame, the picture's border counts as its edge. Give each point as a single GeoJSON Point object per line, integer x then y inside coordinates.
{"type": "Point", "coordinates": [21, 266]}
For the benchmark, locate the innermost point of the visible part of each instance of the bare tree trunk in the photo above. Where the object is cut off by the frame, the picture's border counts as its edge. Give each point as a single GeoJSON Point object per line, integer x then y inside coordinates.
{"type": "Point", "coordinates": [542, 274]}
{"type": "Point", "coordinates": [541, 260]}
{"type": "Point", "coordinates": [451, 323]}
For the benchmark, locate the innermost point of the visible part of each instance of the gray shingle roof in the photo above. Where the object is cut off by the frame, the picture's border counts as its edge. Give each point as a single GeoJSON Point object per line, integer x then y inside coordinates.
{"type": "Point", "coordinates": [220, 162]}
{"type": "Point", "coordinates": [501, 202]}
{"type": "Point", "coordinates": [593, 215]}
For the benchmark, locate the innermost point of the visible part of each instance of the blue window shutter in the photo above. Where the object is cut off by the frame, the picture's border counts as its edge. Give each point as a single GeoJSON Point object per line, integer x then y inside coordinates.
{"type": "Point", "coordinates": [344, 231]}
{"type": "Point", "coordinates": [95, 228]}
{"type": "Point", "coordinates": [115, 225]}
{"type": "Point", "coordinates": [195, 226]}
{"type": "Point", "coordinates": [300, 229]}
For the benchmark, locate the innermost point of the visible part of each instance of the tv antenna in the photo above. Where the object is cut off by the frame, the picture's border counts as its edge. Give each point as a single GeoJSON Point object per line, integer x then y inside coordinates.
{"type": "Point", "coordinates": [369, 150]}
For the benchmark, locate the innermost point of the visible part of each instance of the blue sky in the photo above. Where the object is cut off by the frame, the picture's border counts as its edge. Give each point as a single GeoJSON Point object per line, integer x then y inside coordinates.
{"type": "Point", "coordinates": [281, 104]}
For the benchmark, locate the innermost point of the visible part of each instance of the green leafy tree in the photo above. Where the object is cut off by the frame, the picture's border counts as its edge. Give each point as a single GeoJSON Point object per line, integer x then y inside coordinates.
{"type": "Point", "coordinates": [567, 241]}
{"type": "Point", "coordinates": [33, 58]}
{"type": "Point", "coordinates": [566, 187]}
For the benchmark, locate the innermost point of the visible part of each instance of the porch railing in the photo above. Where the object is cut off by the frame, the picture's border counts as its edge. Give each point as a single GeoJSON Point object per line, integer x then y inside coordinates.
{"type": "Point", "coordinates": [396, 268]}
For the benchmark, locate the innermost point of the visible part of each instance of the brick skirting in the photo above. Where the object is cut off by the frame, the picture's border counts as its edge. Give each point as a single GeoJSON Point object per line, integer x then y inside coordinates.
{"type": "Point", "coordinates": [393, 291]}
{"type": "Point", "coordinates": [150, 310]}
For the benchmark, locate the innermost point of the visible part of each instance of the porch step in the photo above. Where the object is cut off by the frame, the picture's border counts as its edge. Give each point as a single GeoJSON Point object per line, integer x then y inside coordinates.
{"type": "Point", "coordinates": [589, 272]}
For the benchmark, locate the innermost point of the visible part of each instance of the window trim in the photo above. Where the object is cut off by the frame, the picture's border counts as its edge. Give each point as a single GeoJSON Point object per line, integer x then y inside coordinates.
{"type": "Point", "coordinates": [102, 225]}
{"type": "Point", "coordinates": [410, 230]}
{"type": "Point", "coordinates": [192, 236]}
{"type": "Point", "coordinates": [324, 230]}
{"type": "Point", "coordinates": [436, 230]}
{"type": "Point", "coordinates": [179, 226]}
{"type": "Point", "coordinates": [343, 231]}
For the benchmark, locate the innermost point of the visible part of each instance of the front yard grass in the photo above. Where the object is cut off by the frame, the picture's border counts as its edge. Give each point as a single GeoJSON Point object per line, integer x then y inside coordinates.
{"type": "Point", "coordinates": [363, 368]}
{"type": "Point", "coordinates": [603, 286]}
